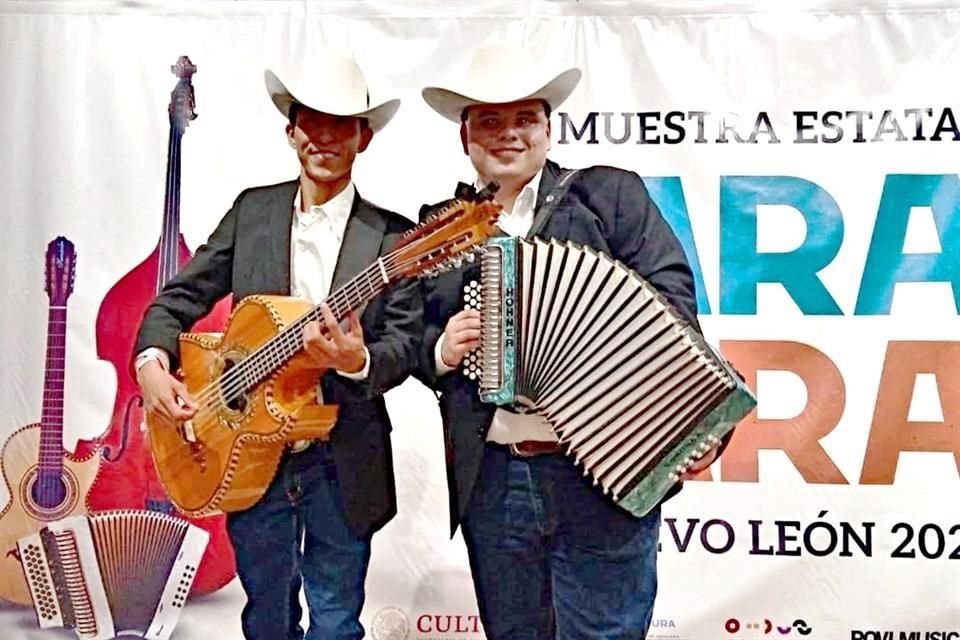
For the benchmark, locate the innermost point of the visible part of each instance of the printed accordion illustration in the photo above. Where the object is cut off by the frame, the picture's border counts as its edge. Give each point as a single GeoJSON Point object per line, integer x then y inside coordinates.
{"type": "Point", "coordinates": [113, 573]}
{"type": "Point", "coordinates": [632, 391]}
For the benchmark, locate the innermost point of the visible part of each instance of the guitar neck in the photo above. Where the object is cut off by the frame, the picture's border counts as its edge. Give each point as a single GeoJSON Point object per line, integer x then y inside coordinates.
{"type": "Point", "coordinates": [170, 235]}
{"type": "Point", "coordinates": [289, 342]}
{"type": "Point", "coordinates": [51, 418]}
{"type": "Point", "coordinates": [353, 295]}
{"type": "Point", "coordinates": [426, 248]}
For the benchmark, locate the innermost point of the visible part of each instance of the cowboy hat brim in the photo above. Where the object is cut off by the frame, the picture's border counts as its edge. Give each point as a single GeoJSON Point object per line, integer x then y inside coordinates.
{"type": "Point", "coordinates": [377, 117]}
{"type": "Point", "coordinates": [450, 104]}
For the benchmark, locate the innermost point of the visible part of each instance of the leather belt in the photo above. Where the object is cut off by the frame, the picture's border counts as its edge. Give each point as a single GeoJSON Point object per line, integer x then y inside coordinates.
{"type": "Point", "coordinates": [529, 448]}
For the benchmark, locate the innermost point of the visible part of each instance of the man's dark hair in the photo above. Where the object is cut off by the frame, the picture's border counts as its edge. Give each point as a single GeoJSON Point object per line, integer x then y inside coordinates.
{"type": "Point", "coordinates": [546, 111]}
{"type": "Point", "coordinates": [295, 109]}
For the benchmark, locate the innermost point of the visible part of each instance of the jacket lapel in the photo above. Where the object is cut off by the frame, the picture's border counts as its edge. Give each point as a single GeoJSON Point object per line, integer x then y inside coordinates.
{"type": "Point", "coordinates": [545, 198]}
{"type": "Point", "coordinates": [276, 238]}
{"type": "Point", "coordinates": [548, 180]}
{"type": "Point", "coordinates": [361, 242]}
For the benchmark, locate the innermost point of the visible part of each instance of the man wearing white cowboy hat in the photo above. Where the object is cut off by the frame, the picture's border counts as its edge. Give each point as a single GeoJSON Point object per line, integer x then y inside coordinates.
{"type": "Point", "coordinates": [551, 556]}
{"type": "Point", "coordinates": [305, 238]}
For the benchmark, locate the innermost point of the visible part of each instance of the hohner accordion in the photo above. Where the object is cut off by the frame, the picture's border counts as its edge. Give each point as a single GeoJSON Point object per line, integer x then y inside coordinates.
{"type": "Point", "coordinates": [632, 391]}
{"type": "Point", "coordinates": [114, 572]}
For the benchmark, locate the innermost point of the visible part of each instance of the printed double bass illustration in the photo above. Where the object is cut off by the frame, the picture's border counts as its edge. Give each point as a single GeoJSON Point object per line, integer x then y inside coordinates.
{"type": "Point", "coordinates": [127, 478]}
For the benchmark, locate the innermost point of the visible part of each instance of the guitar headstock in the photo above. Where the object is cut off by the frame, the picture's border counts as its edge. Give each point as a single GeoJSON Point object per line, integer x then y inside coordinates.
{"type": "Point", "coordinates": [182, 100]}
{"type": "Point", "coordinates": [61, 270]}
{"type": "Point", "coordinates": [445, 239]}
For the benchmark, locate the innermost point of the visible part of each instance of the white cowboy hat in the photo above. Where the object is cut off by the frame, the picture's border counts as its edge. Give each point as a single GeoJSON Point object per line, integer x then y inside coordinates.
{"type": "Point", "coordinates": [500, 74]}
{"type": "Point", "coordinates": [330, 82]}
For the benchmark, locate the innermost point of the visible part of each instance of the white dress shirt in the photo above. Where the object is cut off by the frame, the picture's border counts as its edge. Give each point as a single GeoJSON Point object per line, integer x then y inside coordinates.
{"type": "Point", "coordinates": [316, 236]}
{"type": "Point", "coordinates": [510, 427]}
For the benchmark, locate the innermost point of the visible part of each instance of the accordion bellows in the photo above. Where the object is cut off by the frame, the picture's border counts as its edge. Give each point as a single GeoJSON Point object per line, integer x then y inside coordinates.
{"type": "Point", "coordinates": [113, 572]}
{"type": "Point", "coordinates": [632, 391]}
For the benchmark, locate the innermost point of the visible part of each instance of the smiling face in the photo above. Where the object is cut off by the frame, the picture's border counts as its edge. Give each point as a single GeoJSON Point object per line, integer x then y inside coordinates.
{"type": "Point", "coordinates": [507, 142]}
{"type": "Point", "coordinates": [327, 145]}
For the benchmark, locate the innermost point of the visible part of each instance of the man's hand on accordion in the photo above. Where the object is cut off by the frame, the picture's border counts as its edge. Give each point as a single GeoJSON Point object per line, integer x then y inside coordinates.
{"type": "Point", "coordinates": [701, 463]}
{"type": "Point", "coordinates": [460, 337]}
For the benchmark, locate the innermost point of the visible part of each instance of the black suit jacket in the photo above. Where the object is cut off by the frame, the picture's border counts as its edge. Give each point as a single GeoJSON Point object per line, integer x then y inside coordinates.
{"type": "Point", "coordinates": [249, 253]}
{"type": "Point", "coordinates": [605, 208]}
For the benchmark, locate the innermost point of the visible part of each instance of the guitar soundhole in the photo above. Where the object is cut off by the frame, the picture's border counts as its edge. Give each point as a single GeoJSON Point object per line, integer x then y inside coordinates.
{"type": "Point", "coordinates": [49, 491]}
{"type": "Point", "coordinates": [233, 393]}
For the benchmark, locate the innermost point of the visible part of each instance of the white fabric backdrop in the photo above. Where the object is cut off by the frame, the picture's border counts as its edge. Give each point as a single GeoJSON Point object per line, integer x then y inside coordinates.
{"type": "Point", "coordinates": [84, 88]}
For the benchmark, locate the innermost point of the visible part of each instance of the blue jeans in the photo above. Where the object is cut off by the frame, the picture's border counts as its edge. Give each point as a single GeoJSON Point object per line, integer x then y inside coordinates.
{"type": "Point", "coordinates": [296, 535]}
{"type": "Point", "coordinates": [552, 558]}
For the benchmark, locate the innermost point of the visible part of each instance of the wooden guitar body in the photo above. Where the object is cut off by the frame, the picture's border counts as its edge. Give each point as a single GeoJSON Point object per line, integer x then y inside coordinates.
{"type": "Point", "coordinates": [48, 483]}
{"type": "Point", "coordinates": [238, 438]}
{"type": "Point", "coordinates": [26, 512]}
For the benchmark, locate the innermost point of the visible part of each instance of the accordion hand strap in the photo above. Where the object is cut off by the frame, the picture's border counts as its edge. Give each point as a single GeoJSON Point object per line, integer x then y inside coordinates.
{"type": "Point", "coordinates": [551, 201]}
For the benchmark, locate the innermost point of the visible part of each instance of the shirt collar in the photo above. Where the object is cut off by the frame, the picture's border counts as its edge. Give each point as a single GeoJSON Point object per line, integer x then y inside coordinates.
{"type": "Point", "coordinates": [337, 209]}
{"type": "Point", "coordinates": [527, 198]}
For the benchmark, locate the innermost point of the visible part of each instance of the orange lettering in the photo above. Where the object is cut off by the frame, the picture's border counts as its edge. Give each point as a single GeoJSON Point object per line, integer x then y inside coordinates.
{"type": "Point", "coordinates": [890, 431]}
{"type": "Point", "coordinates": [798, 437]}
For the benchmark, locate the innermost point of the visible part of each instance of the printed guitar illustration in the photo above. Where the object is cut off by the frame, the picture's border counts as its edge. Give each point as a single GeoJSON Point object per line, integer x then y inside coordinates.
{"type": "Point", "coordinates": [45, 482]}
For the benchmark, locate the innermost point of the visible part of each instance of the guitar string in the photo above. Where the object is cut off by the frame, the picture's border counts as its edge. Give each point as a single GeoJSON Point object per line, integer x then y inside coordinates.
{"type": "Point", "coordinates": [211, 397]}
{"type": "Point", "coordinates": [287, 342]}
{"type": "Point", "coordinates": [212, 401]}
{"type": "Point", "coordinates": [239, 377]}
{"type": "Point", "coordinates": [50, 483]}
{"type": "Point", "coordinates": [234, 380]}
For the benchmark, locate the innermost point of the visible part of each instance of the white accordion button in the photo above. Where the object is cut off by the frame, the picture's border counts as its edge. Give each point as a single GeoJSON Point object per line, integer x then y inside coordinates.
{"type": "Point", "coordinates": [471, 295]}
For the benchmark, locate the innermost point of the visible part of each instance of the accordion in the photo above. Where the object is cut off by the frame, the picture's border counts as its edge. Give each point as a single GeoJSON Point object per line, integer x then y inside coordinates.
{"type": "Point", "coordinates": [113, 572]}
{"type": "Point", "coordinates": [631, 390]}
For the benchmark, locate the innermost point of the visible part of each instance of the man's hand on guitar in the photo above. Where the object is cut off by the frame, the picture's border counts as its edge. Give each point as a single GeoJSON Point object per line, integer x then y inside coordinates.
{"type": "Point", "coordinates": [461, 336]}
{"type": "Point", "coordinates": [164, 395]}
{"type": "Point", "coordinates": [337, 350]}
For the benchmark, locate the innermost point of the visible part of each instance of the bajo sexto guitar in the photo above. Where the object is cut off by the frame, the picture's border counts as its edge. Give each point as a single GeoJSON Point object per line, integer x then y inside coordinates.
{"type": "Point", "coordinates": [45, 482]}
{"type": "Point", "coordinates": [255, 384]}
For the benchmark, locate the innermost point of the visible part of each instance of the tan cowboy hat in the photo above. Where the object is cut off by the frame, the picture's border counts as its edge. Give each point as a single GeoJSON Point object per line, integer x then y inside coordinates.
{"type": "Point", "coordinates": [498, 74]}
{"type": "Point", "coordinates": [330, 82]}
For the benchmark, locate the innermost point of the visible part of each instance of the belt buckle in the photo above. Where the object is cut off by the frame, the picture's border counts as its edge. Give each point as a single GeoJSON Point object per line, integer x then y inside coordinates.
{"type": "Point", "coordinates": [299, 446]}
{"type": "Point", "coordinates": [518, 453]}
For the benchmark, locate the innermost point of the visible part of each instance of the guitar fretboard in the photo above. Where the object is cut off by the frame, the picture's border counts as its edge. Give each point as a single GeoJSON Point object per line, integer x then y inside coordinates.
{"type": "Point", "coordinates": [268, 358]}
{"type": "Point", "coordinates": [51, 418]}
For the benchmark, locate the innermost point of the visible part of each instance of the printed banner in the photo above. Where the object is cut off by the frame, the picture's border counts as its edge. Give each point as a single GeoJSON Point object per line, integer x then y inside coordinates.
{"type": "Point", "coordinates": [805, 155]}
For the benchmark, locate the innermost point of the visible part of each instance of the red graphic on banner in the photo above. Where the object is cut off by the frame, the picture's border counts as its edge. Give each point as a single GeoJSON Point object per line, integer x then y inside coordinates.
{"type": "Point", "coordinates": [127, 478]}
